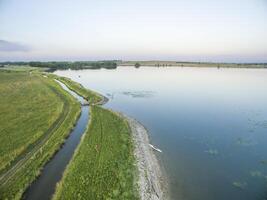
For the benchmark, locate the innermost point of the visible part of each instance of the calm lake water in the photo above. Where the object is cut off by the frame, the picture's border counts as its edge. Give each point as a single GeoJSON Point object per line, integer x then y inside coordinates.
{"type": "Point", "coordinates": [211, 124]}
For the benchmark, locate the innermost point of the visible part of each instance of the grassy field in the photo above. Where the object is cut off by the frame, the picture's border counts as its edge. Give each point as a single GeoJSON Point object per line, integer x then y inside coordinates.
{"type": "Point", "coordinates": [22, 68]}
{"type": "Point", "coordinates": [103, 165]}
{"type": "Point", "coordinates": [26, 112]}
{"type": "Point", "coordinates": [91, 96]}
{"type": "Point", "coordinates": [36, 115]}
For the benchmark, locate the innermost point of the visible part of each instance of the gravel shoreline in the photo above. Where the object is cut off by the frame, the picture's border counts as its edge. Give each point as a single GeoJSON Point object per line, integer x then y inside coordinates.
{"type": "Point", "coordinates": [151, 183]}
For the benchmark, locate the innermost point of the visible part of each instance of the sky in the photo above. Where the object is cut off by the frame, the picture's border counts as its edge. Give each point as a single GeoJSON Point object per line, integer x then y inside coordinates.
{"type": "Point", "coordinates": [179, 30]}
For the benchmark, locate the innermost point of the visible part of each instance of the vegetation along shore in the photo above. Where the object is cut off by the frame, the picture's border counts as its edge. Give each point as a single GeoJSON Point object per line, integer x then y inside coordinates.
{"type": "Point", "coordinates": [112, 64]}
{"type": "Point", "coordinates": [112, 161]}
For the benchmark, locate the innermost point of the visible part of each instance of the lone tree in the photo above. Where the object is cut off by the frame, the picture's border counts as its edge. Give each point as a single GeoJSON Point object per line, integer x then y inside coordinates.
{"type": "Point", "coordinates": [137, 65]}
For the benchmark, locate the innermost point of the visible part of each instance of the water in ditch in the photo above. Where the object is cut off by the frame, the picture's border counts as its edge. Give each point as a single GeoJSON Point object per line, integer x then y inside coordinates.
{"type": "Point", "coordinates": [44, 187]}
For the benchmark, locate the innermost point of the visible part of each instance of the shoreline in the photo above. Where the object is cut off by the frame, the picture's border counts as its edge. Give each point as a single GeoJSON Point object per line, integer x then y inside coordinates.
{"type": "Point", "coordinates": [152, 185]}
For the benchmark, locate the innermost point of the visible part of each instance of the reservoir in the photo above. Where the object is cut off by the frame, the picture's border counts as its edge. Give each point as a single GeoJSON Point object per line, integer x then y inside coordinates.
{"type": "Point", "coordinates": [211, 124]}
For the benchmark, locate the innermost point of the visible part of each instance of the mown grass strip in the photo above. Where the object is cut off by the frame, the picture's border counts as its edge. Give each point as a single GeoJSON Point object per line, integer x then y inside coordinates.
{"type": "Point", "coordinates": [25, 171]}
{"type": "Point", "coordinates": [103, 165]}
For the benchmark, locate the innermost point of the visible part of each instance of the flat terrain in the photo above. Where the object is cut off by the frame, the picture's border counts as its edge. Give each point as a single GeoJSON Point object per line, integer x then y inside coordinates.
{"type": "Point", "coordinates": [22, 68]}
{"type": "Point", "coordinates": [28, 108]}
{"type": "Point", "coordinates": [36, 115]}
{"type": "Point", "coordinates": [192, 64]}
{"type": "Point", "coordinates": [103, 166]}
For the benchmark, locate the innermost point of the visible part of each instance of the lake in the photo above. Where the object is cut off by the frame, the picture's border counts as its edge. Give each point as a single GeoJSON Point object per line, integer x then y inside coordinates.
{"type": "Point", "coordinates": [211, 124]}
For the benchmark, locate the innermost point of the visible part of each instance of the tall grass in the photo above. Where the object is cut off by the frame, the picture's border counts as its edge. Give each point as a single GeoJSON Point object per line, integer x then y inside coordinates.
{"type": "Point", "coordinates": [103, 166]}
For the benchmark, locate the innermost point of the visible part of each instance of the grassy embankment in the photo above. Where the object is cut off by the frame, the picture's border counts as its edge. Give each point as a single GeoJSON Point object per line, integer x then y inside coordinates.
{"type": "Point", "coordinates": [36, 115]}
{"type": "Point", "coordinates": [103, 164]}
{"type": "Point", "coordinates": [91, 96]}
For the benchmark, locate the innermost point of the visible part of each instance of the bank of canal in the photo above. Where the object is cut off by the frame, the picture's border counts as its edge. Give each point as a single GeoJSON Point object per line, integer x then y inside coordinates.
{"type": "Point", "coordinates": [44, 186]}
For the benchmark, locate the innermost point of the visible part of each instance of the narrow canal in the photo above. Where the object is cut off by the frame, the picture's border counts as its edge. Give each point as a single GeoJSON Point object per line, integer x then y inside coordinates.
{"type": "Point", "coordinates": [44, 187]}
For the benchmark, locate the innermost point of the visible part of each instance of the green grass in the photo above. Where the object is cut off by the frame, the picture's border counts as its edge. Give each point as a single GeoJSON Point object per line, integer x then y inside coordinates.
{"type": "Point", "coordinates": [21, 68]}
{"type": "Point", "coordinates": [103, 165]}
{"type": "Point", "coordinates": [36, 116]}
{"type": "Point", "coordinates": [27, 107]}
{"type": "Point", "coordinates": [91, 96]}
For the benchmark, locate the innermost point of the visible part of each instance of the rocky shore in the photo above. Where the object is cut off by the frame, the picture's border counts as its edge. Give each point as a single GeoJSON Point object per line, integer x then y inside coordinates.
{"type": "Point", "coordinates": [151, 182]}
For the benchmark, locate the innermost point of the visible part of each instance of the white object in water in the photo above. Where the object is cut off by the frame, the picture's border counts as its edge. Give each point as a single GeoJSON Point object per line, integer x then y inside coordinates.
{"type": "Point", "coordinates": [155, 148]}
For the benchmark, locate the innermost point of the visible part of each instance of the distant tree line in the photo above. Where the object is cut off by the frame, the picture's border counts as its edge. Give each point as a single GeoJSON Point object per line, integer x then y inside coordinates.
{"type": "Point", "coordinates": [75, 65]}
{"type": "Point", "coordinates": [13, 63]}
{"type": "Point", "coordinates": [68, 65]}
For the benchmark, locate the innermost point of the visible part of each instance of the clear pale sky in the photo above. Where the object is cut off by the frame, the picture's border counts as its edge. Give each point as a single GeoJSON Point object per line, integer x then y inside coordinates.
{"type": "Point", "coordinates": [191, 30]}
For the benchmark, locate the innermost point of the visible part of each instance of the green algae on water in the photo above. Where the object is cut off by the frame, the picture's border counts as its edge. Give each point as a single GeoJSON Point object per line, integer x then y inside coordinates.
{"type": "Point", "coordinates": [246, 142]}
{"type": "Point", "coordinates": [264, 162]}
{"type": "Point", "coordinates": [256, 173]}
{"type": "Point", "coordinates": [213, 152]}
{"type": "Point", "coordinates": [239, 184]}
